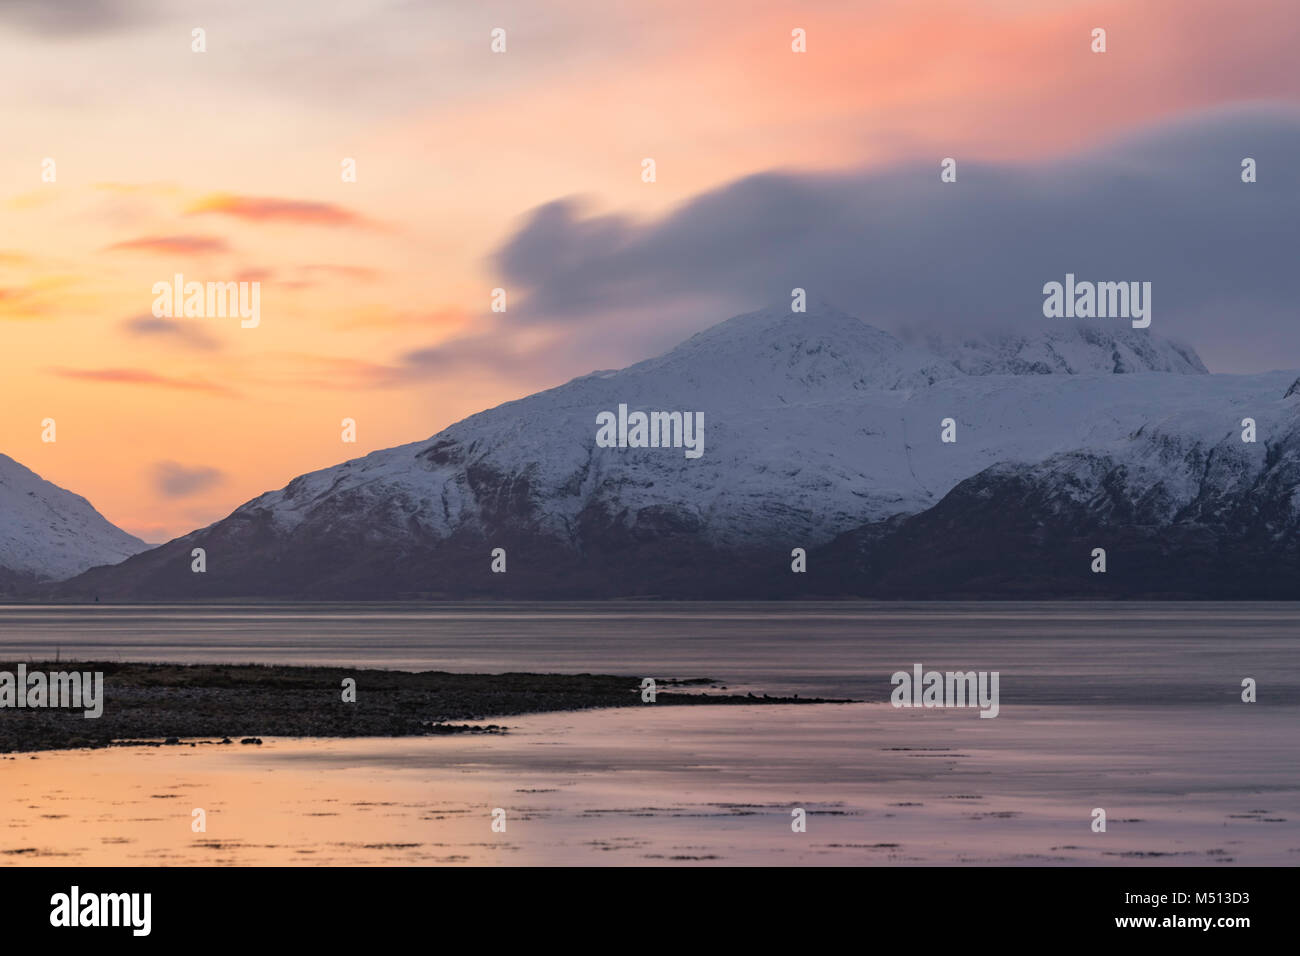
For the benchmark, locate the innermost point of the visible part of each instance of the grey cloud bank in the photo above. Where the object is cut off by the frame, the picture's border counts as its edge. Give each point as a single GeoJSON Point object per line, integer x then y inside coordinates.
{"type": "Point", "coordinates": [1166, 205]}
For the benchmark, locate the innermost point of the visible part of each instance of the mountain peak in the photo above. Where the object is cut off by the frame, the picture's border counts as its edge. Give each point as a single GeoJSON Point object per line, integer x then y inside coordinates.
{"type": "Point", "coordinates": [49, 533]}
{"type": "Point", "coordinates": [809, 355]}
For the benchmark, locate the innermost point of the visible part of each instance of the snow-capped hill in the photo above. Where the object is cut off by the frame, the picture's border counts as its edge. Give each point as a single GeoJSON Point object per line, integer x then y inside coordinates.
{"type": "Point", "coordinates": [1062, 348]}
{"type": "Point", "coordinates": [1183, 507]}
{"type": "Point", "coordinates": [814, 424]}
{"type": "Point", "coordinates": [807, 356]}
{"type": "Point", "coordinates": [48, 533]}
{"type": "Point", "coordinates": [734, 374]}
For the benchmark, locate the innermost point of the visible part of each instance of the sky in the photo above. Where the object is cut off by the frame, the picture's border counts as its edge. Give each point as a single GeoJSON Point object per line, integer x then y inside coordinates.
{"type": "Point", "coordinates": [522, 170]}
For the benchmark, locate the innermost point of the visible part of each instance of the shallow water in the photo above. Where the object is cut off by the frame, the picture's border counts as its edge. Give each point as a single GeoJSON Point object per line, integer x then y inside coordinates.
{"type": "Point", "coordinates": [713, 785]}
{"type": "Point", "coordinates": [1130, 708]}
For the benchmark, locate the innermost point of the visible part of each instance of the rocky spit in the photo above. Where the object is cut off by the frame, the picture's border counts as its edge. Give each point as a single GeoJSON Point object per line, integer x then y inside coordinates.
{"type": "Point", "coordinates": [217, 704]}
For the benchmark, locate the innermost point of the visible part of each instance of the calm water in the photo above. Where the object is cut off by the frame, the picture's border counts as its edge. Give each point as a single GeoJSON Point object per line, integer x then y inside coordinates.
{"type": "Point", "coordinates": [1131, 708]}
{"type": "Point", "coordinates": [1048, 653]}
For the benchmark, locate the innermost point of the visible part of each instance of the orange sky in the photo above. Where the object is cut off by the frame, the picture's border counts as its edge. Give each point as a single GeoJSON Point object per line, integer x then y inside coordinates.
{"type": "Point", "coordinates": [226, 165]}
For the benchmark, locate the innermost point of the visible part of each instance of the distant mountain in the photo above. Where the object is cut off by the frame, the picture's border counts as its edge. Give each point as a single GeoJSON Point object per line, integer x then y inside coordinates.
{"type": "Point", "coordinates": [1178, 517]}
{"type": "Point", "coordinates": [47, 533]}
{"type": "Point", "coordinates": [820, 432]}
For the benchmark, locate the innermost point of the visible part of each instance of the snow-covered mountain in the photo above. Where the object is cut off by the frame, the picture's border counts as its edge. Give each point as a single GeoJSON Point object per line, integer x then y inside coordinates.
{"type": "Point", "coordinates": [48, 533]}
{"type": "Point", "coordinates": [820, 432]}
{"type": "Point", "coordinates": [1182, 507]}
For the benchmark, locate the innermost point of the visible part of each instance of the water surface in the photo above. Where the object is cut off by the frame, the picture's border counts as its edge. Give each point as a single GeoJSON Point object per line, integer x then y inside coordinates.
{"type": "Point", "coordinates": [1132, 708]}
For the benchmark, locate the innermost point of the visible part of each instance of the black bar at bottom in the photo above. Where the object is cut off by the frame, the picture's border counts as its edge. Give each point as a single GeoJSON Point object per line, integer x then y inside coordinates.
{"type": "Point", "coordinates": [328, 905]}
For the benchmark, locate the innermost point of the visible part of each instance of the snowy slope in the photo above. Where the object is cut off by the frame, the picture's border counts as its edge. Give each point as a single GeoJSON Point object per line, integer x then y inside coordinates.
{"type": "Point", "coordinates": [815, 424]}
{"type": "Point", "coordinates": [811, 421]}
{"type": "Point", "coordinates": [1072, 348]}
{"type": "Point", "coordinates": [47, 533]}
{"type": "Point", "coordinates": [1183, 507]}
{"type": "Point", "coordinates": [774, 392]}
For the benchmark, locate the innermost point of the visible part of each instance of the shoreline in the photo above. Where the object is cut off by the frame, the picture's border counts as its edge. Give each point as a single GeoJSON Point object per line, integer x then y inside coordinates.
{"type": "Point", "coordinates": [174, 704]}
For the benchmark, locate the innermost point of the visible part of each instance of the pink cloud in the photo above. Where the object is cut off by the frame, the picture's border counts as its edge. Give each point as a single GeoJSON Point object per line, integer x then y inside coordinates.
{"type": "Point", "coordinates": [174, 245]}
{"type": "Point", "coordinates": [272, 209]}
